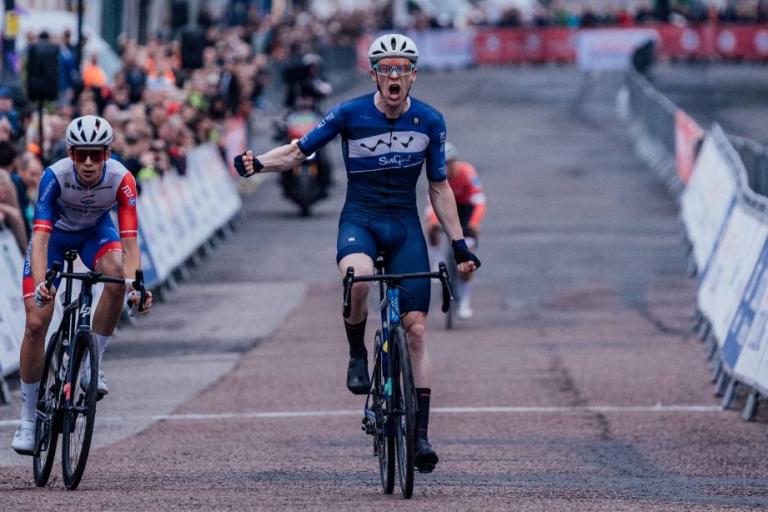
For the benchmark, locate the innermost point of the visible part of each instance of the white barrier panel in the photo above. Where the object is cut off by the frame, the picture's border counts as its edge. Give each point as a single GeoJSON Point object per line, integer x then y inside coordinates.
{"type": "Point", "coordinates": [11, 303]}
{"type": "Point", "coordinates": [708, 198]}
{"type": "Point", "coordinates": [722, 285]}
{"type": "Point", "coordinates": [609, 49]}
{"type": "Point", "coordinates": [744, 349]}
{"type": "Point", "coordinates": [177, 214]}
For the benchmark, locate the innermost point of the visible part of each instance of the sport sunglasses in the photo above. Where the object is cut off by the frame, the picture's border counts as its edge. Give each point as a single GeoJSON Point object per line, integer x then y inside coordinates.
{"type": "Point", "coordinates": [81, 155]}
{"type": "Point", "coordinates": [401, 66]}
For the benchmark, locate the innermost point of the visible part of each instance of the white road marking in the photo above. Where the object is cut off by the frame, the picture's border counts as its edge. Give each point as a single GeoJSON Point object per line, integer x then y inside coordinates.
{"type": "Point", "coordinates": [658, 408]}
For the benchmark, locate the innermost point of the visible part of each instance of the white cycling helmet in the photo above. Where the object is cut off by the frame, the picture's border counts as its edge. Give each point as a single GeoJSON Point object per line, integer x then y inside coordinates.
{"type": "Point", "coordinates": [451, 153]}
{"type": "Point", "coordinates": [392, 45]}
{"type": "Point", "coordinates": [89, 131]}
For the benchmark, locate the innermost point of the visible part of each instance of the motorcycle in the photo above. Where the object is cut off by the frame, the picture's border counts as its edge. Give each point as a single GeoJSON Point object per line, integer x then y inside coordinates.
{"type": "Point", "coordinates": [306, 183]}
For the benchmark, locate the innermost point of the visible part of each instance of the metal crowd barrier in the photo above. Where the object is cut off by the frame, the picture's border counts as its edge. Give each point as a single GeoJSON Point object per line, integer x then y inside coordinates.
{"type": "Point", "coordinates": [724, 207]}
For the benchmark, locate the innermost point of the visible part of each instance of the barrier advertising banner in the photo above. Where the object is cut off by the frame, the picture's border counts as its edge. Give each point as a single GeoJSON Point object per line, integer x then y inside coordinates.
{"type": "Point", "coordinates": [708, 198]}
{"type": "Point", "coordinates": [11, 302]}
{"type": "Point", "coordinates": [735, 257]}
{"type": "Point", "coordinates": [744, 344]}
{"type": "Point", "coordinates": [688, 135]}
{"type": "Point", "coordinates": [445, 49]}
{"type": "Point", "coordinates": [177, 214]}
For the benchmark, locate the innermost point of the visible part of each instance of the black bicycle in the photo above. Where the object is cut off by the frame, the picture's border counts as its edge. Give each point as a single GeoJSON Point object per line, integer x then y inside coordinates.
{"type": "Point", "coordinates": [66, 402]}
{"type": "Point", "coordinates": [389, 414]}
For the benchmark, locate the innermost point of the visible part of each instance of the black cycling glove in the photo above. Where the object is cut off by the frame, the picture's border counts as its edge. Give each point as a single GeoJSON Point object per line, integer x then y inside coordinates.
{"type": "Point", "coordinates": [461, 253]}
{"type": "Point", "coordinates": [240, 166]}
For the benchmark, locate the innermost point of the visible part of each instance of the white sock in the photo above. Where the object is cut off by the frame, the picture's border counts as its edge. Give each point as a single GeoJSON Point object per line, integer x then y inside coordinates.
{"type": "Point", "coordinates": [466, 292]}
{"type": "Point", "coordinates": [103, 343]}
{"type": "Point", "coordinates": [29, 400]}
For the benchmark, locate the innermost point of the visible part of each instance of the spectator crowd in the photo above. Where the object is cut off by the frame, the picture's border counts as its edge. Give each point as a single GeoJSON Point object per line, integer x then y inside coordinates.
{"type": "Point", "coordinates": [159, 110]}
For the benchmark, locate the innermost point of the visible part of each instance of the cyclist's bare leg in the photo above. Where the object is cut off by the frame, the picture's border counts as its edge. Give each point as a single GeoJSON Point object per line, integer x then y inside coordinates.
{"type": "Point", "coordinates": [33, 343]}
{"type": "Point", "coordinates": [111, 303]}
{"type": "Point", "coordinates": [31, 361]}
{"type": "Point", "coordinates": [363, 265]}
{"type": "Point", "coordinates": [358, 379]}
{"type": "Point", "coordinates": [414, 323]}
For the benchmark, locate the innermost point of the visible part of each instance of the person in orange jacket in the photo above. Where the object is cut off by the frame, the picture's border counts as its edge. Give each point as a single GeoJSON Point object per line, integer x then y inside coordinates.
{"type": "Point", "coordinates": [470, 202]}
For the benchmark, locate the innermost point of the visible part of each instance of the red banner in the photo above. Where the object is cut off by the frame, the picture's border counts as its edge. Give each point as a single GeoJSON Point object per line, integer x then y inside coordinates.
{"type": "Point", "coordinates": [558, 45]}
{"type": "Point", "coordinates": [501, 46]}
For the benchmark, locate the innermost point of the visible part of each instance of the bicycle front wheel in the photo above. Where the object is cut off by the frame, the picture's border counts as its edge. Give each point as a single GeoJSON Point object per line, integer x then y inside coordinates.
{"type": "Point", "coordinates": [80, 409]}
{"type": "Point", "coordinates": [404, 401]}
{"type": "Point", "coordinates": [385, 440]}
{"type": "Point", "coordinates": [47, 422]}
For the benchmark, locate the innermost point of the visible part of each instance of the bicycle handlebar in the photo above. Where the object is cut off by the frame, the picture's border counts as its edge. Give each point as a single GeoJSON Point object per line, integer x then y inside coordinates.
{"type": "Point", "coordinates": [97, 277]}
{"type": "Point", "coordinates": [441, 274]}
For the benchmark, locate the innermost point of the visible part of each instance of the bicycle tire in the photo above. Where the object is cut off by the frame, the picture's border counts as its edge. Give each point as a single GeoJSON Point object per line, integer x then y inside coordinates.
{"type": "Point", "coordinates": [47, 428]}
{"type": "Point", "coordinates": [385, 441]}
{"type": "Point", "coordinates": [404, 395]}
{"type": "Point", "coordinates": [75, 448]}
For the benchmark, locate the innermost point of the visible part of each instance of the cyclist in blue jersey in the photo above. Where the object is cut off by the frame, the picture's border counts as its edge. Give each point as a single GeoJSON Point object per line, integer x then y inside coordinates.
{"type": "Point", "coordinates": [387, 137]}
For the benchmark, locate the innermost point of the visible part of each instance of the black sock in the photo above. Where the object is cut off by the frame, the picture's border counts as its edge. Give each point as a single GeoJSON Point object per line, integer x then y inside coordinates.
{"type": "Point", "coordinates": [422, 414]}
{"type": "Point", "coordinates": [356, 339]}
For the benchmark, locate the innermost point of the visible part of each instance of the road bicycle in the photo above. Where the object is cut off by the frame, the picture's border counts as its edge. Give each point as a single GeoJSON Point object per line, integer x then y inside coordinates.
{"type": "Point", "coordinates": [389, 414]}
{"type": "Point", "coordinates": [65, 404]}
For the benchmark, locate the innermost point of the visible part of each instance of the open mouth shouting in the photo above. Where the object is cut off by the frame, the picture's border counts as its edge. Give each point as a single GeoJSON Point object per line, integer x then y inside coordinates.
{"type": "Point", "coordinates": [393, 91]}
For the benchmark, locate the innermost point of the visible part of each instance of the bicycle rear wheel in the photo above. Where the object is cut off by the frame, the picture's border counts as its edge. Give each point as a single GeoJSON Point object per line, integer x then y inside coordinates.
{"type": "Point", "coordinates": [80, 410]}
{"type": "Point", "coordinates": [47, 422]}
{"type": "Point", "coordinates": [384, 438]}
{"type": "Point", "coordinates": [404, 400]}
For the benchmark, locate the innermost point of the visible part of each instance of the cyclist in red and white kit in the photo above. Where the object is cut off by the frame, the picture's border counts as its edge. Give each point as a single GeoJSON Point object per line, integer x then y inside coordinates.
{"type": "Point", "coordinates": [470, 203]}
{"type": "Point", "coordinates": [72, 212]}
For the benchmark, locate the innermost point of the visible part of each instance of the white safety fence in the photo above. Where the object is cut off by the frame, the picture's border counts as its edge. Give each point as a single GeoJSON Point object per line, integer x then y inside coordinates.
{"type": "Point", "coordinates": [177, 215]}
{"type": "Point", "coordinates": [728, 233]}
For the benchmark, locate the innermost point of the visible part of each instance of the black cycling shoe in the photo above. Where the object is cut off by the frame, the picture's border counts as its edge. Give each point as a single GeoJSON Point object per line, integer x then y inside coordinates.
{"type": "Point", "coordinates": [426, 458]}
{"type": "Point", "coordinates": [358, 380]}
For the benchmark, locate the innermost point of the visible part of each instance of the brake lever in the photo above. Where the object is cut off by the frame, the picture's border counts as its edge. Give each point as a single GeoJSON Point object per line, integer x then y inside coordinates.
{"type": "Point", "coordinates": [50, 276]}
{"type": "Point", "coordinates": [138, 285]}
{"type": "Point", "coordinates": [445, 282]}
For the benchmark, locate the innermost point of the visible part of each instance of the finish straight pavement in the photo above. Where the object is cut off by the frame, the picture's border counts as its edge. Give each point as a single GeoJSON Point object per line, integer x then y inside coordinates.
{"type": "Point", "coordinates": [576, 386]}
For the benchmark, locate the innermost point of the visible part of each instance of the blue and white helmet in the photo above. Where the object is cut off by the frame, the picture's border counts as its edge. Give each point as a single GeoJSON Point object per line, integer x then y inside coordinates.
{"type": "Point", "coordinates": [89, 131]}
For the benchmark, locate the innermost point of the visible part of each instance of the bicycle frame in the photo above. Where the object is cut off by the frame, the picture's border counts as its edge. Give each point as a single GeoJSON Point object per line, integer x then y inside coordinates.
{"type": "Point", "coordinates": [389, 307]}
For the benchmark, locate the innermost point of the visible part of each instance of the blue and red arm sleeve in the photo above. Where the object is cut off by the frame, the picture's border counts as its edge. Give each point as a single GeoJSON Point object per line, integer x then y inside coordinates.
{"type": "Point", "coordinates": [127, 218]}
{"type": "Point", "coordinates": [45, 210]}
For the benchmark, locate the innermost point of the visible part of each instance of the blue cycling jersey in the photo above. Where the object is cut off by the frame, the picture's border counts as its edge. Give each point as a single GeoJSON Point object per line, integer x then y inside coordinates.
{"type": "Point", "coordinates": [383, 157]}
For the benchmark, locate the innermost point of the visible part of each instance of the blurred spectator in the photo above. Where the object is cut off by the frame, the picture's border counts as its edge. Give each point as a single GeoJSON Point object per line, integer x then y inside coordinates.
{"type": "Point", "coordinates": [10, 214]}
{"type": "Point", "coordinates": [93, 75]}
{"type": "Point", "coordinates": [29, 170]}
{"type": "Point", "coordinates": [7, 111]}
